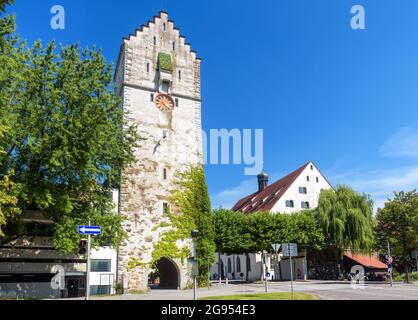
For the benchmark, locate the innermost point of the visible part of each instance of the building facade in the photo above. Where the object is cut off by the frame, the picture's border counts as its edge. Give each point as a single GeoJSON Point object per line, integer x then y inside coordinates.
{"type": "Point", "coordinates": [295, 192]}
{"type": "Point", "coordinates": [158, 78]}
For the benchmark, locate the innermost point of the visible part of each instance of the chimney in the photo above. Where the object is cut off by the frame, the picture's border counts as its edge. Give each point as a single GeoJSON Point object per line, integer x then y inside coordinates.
{"type": "Point", "coordinates": [263, 181]}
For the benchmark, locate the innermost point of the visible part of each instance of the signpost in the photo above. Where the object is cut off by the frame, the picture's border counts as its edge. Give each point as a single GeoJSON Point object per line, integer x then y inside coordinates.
{"type": "Point", "coordinates": [390, 266]}
{"type": "Point", "coordinates": [290, 250]}
{"type": "Point", "coordinates": [89, 231]}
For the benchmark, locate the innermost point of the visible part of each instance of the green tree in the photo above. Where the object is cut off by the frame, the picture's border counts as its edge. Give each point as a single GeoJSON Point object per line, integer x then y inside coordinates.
{"type": "Point", "coordinates": [68, 140]}
{"type": "Point", "coordinates": [397, 223]}
{"type": "Point", "coordinates": [191, 202]}
{"type": "Point", "coordinates": [346, 219]}
{"type": "Point", "coordinates": [8, 193]}
{"type": "Point", "coordinates": [4, 3]}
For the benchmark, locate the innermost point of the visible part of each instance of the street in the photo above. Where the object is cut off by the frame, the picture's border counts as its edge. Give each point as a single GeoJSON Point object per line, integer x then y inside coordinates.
{"type": "Point", "coordinates": [325, 290]}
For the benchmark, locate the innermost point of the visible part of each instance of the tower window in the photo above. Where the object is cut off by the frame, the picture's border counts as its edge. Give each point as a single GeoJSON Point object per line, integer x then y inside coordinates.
{"type": "Point", "coordinates": [180, 75]}
{"type": "Point", "coordinates": [177, 102]}
{"type": "Point", "coordinates": [165, 174]}
{"type": "Point", "coordinates": [164, 26]}
{"type": "Point", "coordinates": [152, 97]}
{"type": "Point", "coordinates": [303, 190]}
{"type": "Point", "coordinates": [148, 67]}
{"type": "Point", "coordinates": [165, 86]}
{"type": "Point", "coordinates": [155, 41]}
{"type": "Point", "coordinates": [290, 204]}
{"type": "Point", "coordinates": [174, 46]}
{"type": "Point", "coordinates": [305, 204]}
{"type": "Point", "coordinates": [165, 208]}
{"type": "Point", "coordinates": [165, 134]}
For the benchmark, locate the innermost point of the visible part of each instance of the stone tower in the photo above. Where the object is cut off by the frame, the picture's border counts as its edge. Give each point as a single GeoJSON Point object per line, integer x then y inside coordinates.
{"type": "Point", "coordinates": [158, 78]}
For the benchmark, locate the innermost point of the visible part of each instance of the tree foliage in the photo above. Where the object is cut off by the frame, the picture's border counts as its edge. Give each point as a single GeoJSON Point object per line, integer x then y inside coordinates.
{"type": "Point", "coordinates": [4, 3]}
{"type": "Point", "coordinates": [346, 219]}
{"type": "Point", "coordinates": [397, 223]}
{"type": "Point", "coordinates": [236, 233]}
{"type": "Point", "coordinates": [191, 210]}
{"type": "Point", "coordinates": [67, 141]}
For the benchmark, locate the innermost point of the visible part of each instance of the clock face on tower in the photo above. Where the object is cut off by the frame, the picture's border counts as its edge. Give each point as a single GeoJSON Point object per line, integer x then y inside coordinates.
{"type": "Point", "coordinates": [164, 102]}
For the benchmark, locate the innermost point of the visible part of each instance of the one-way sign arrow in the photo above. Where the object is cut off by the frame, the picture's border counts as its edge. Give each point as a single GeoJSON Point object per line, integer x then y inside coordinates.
{"type": "Point", "coordinates": [93, 230]}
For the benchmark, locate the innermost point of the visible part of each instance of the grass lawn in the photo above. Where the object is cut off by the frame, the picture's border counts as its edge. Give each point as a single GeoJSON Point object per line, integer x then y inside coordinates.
{"type": "Point", "coordinates": [266, 296]}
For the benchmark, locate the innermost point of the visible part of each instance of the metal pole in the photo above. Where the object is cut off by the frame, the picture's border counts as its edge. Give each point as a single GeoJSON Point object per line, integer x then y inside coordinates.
{"type": "Point", "coordinates": [291, 274]}
{"type": "Point", "coordinates": [391, 269]}
{"type": "Point", "coordinates": [208, 274]}
{"type": "Point", "coordinates": [194, 288]}
{"type": "Point", "coordinates": [88, 269]}
{"type": "Point", "coordinates": [265, 273]}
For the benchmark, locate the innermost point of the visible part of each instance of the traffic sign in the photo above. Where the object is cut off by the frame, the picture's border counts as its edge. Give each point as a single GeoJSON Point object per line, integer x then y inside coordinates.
{"type": "Point", "coordinates": [276, 247]}
{"type": "Point", "coordinates": [193, 267]}
{"type": "Point", "coordinates": [290, 249]}
{"type": "Point", "coordinates": [268, 274]}
{"type": "Point", "coordinates": [92, 230]}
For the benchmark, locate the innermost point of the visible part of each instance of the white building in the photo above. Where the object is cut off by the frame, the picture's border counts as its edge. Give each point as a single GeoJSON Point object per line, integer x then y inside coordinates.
{"type": "Point", "coordinates": [297, 191]}
{"type": "Point", "coordinates": [29, 266]}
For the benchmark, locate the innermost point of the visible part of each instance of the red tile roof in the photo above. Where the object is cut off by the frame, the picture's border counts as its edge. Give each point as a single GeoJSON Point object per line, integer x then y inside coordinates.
{"type": "Point", "coordinates": [266, 199]}
{"type": "Point", "coordinates": [366, 261]}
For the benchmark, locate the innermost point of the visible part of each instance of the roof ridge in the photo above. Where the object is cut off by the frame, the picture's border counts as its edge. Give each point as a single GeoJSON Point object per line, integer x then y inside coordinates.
{"type": "Point", "coordinates": [284, 184]}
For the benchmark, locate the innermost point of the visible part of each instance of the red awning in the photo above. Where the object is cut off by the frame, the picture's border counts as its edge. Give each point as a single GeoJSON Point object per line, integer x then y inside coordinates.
{"type": "Point", "coordinates": [366, 261]}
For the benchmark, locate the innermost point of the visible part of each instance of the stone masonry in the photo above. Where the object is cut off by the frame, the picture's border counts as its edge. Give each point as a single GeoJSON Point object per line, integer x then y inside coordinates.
{"type": "Point", "coordinates": [172, 140]}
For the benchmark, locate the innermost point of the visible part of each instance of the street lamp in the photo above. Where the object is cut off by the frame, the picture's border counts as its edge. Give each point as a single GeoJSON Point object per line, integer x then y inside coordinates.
{"type": "Point", "coordinates": [195, 235]}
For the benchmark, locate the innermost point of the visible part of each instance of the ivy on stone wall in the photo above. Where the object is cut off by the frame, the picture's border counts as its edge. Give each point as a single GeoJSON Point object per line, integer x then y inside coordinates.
{"type": "Point", "coordinates": [190, 210]}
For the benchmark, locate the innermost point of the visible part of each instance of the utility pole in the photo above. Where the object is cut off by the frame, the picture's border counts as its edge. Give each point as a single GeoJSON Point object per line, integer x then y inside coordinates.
{"type": "Point", "coordinates": [391, 266]}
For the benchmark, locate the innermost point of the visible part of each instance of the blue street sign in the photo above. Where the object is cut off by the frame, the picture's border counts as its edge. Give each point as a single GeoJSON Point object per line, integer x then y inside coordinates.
{"type": "Point", "coordinates": [93, 230]}
{"type": "Point", "coordinates": [268, 274]}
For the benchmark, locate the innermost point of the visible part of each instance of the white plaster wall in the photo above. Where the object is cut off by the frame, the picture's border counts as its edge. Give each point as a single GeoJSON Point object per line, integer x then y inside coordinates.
{"type": "Point", "coordinates": [313, 191]}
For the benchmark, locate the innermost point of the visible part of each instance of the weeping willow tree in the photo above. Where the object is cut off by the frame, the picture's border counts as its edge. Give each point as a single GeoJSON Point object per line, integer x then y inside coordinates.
{"type": "Point", "coordinates": [346, 219]}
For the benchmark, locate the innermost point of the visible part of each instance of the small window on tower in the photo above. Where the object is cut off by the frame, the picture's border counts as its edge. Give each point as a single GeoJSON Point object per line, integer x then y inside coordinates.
{"type": "Point", "coordinates": [155, 41]}
{"type": "Point", "coordinates": [177, 102]}
{"type": "Point", "coordinates": [164, 26]}
{"type": "Point", "coordinates": [180, 75]}
{"type": "Point", "coordinates": [152, 97]}
{"type": "Point", "coordinates": [165, 174]}
{"type": "Point", "coordinates": [165, 86]}
{"type": "Point", "coordinates": [148, 67]}
{"type": "Point", "coordinates": [174, 46]}
{"type": "Point", "coordinates": [165, 208]}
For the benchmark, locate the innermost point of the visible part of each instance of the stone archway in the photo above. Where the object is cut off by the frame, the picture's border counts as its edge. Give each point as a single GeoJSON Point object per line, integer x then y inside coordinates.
{"type": "Point", "coordinates": [168, 274]}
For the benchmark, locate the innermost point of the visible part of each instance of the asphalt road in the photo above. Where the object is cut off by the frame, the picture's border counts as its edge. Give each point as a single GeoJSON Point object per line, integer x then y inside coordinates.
{"type": "Point", "coordinates": [326, 290]}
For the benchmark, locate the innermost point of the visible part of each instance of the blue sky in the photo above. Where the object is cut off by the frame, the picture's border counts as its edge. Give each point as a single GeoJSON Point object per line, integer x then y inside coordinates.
{"type": "Point", "coordinates": [346, 99]}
